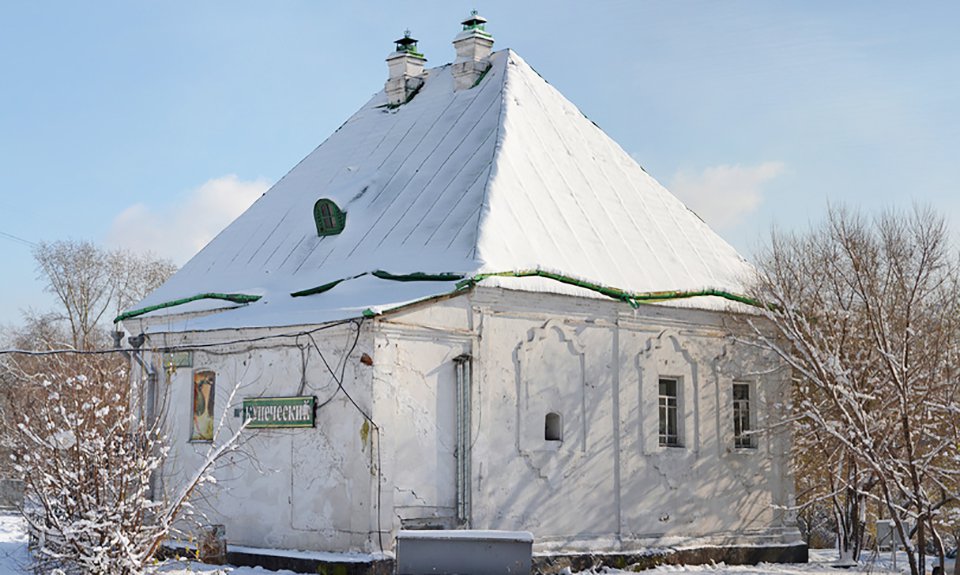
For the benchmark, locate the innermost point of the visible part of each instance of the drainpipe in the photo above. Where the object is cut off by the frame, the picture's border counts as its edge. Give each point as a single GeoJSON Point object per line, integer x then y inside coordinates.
{"type": "Point", "coordinates": [148, 414]}
{"type": "Point", "coordinates": [463, 366]}
{"type": "Point", "coordinates": [136, 342]}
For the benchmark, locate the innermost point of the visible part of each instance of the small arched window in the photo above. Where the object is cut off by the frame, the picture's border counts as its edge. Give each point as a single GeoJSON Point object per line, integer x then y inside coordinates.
{"type": "Point", "coordinates": [553, 427]}
{"type": "Point", "coordinates": [329, 218]}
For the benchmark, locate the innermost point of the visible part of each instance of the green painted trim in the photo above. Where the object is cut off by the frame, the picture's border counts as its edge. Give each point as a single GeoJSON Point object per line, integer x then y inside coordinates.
{"type": "Point", "coordinates": [411, 96]}
{"type": "Point", "coordinates": [482, 76]}
{"type": "Point", "coordinates": [384, 275]}
{"type": "Point", "coordinates": [231, 297]}
{"type": "Point", "coordinates": [339, 218]}
{"type": "Point", "coordinates": [418, 276]}
{"type": "Point", "coordinates": [368, 313]}
{"type": "Point", "coordinates": [632, 298]}
{"type": "Point", "coordinates": [323, 288]}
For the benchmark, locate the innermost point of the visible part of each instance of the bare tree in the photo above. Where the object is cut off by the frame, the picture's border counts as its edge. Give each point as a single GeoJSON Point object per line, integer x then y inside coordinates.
{"type": "Point", "coordinates": [77, 273]}
{"type": "Point", "coordinates": [90, 282]}
{"type": "Point", "coordinates": [866, 313]}
{"type": "Point", "coordinates": [87, 459]}
{"type": "Point", "coordinates": [135, 275]}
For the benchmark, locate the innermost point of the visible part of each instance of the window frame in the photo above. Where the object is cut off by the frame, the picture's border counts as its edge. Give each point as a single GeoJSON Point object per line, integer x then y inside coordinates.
{"type": "Point", "coordinates": [201, 376]}
{"type": "Point", "coordinates": [664, 408]}
{"type": "Point", "coordinates": [328, 217]}
{"type": "Point", "coordinates": [743, 438]}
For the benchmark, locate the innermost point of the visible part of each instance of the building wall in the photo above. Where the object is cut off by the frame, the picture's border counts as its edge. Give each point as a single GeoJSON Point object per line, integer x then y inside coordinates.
{"type": "Point", "coordinates": [608, 484]}
{"type": "Point", "coordinates": [294, 488]}
{"type": "Point", "coordinates": [350, 484]}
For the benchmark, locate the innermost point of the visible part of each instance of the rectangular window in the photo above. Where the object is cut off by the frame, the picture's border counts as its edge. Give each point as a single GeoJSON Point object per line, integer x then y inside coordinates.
{"type": "Point", "coordinates": [669, 413]}
{"type": "Point", "coordinates": [204, 384]}
{"type": "Point", "coordinates": [742, 422]}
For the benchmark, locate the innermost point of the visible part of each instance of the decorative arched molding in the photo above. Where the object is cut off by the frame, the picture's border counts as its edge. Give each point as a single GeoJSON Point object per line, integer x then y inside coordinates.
{"type": "Point", "coordinates": [667, 355]}
{"type": "Point", "coordinates": [565, 332]}
{"type": "Point", "coordinates": [742, 362]}
{"type": "Point", "coordinates": [551, 378]}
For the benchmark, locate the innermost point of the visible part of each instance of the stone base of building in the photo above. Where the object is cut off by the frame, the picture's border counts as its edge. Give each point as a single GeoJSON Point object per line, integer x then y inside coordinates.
{"type": "Point", "coordinates": [310, 565]}
{"type": "Point", "coordinates": [640, 560]}
{"type": "Point", "coordinates": [298, 561]}
{"type": "Point", "coordinates": [543, 564]}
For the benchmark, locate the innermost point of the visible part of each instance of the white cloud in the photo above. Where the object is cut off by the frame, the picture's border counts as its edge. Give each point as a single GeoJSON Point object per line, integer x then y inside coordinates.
{"type": "Point", "coordinates": [723, 195]}
{"type": "Point", "coordinates": [179, 231]}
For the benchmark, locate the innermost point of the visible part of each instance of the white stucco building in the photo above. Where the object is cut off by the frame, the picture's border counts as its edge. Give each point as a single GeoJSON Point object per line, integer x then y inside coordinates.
{"type": "Point", "coordinates": [506, 324]}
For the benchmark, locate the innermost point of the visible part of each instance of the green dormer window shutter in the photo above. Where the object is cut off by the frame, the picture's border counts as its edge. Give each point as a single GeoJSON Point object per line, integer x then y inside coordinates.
{"type": "Point", "coordinates": [329, 218]}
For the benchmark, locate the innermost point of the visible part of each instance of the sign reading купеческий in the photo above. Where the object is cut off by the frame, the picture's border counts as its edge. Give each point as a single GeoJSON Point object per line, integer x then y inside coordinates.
{"type": "Point", "coordinates": [285, 412]}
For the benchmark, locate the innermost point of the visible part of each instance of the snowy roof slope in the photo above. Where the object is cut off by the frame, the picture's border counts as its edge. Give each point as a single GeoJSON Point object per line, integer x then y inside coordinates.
{"type": "Point", "coordinates": [505, 176]}
{"type": "Point", "coordinates": [565, 196]}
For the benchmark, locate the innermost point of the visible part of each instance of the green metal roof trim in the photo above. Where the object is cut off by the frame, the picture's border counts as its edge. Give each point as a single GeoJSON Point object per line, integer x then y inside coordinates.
{"type": "Point", "coordinates": [384, 275]}
{"type": "Point", "coordinates": [634, 299]}
{"type": "Point", "coordinates": [325, 287]}
{"type": "Point", "coordinates": [231, 297]}
{"type": "Point", "coordinates": [418, 277]}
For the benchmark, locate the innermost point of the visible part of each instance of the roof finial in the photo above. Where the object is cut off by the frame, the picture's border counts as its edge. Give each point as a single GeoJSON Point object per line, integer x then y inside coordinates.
{"type": "Point", "coordinates": [475, 22]}
{"type": "Point", "coordinates": [407, 44]}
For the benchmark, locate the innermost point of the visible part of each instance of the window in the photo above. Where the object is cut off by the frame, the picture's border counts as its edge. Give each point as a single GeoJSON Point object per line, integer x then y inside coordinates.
{"type": "Point", "coordinates": [669, 413]}
{"type": "Point", "coordinates": [328, 217]}
{"type": "Point", "coordinates": [553, 427]}
{"type": "Point", "coordinates": [204, 384]}
{"type": "Point", "coordinates": [742, 423]}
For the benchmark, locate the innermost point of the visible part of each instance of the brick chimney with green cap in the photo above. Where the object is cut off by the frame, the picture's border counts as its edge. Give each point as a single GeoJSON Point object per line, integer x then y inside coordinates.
{"type": "Point", "coordinates": [473, 45]}
{"type": "Point", "coordinates": [405, 64]}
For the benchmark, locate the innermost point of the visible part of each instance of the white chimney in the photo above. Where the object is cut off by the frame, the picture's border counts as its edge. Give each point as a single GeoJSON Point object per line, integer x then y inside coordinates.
{"type": "Point", "coordinates": [473, 46]}
{"type": "Point", "coordinates": [406, 71]}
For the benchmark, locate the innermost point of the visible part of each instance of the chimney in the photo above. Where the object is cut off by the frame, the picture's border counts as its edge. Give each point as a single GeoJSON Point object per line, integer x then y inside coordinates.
{"type": "Point", "coordinates": [473, 47]}
{"type": "Point", "coordinates": [406, 71]}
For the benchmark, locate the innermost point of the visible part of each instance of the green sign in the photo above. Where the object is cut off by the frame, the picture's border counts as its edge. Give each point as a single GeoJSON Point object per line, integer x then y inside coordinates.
{"type": "Point", "coordinates": [175, 359]}
{"type": "Point", "coordinates": [283, 412]}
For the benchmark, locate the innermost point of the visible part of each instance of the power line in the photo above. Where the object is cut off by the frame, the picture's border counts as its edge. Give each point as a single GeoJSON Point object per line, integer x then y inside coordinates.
{"type": "Point", "coordinates": [185, 347]}
{"type": "Point", "coordinates": [17, 239]}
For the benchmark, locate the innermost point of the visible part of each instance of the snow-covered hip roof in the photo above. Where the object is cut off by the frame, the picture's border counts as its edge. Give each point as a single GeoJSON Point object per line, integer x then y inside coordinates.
{"type": "Point", "coordinates": [505, 177]}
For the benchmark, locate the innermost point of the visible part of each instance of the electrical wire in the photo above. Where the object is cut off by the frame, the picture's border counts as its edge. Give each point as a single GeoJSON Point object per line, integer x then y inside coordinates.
{"type": "Point", "coordinates": [339, 382]}
{"type": "Point", "coordinates": [62, 351]}
{"type": "Point", "coordinates": [169, 348]}
{"type": "Point", "coordinates": [343, 371]}
{"type": "Point", "coordinates": [18, 239]}
{"type": "Point", "coordinates": [338, 379]}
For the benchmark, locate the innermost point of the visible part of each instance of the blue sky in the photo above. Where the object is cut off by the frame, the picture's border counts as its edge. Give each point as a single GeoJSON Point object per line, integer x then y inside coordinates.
{"type": "Point", "coordinates": [151, 124]}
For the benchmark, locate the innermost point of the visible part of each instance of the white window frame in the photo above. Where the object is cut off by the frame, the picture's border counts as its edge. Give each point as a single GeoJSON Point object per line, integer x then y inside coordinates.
{"type": "Point", "coordinates": [667, 403]}
{"type": "Point", "coordinates": [746, 438]}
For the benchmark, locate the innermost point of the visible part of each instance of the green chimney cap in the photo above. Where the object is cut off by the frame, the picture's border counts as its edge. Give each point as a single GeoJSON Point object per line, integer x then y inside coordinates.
{"type": "Point", "coordinates": [407, 43]}
{"type": "Point", "coordinates": [474, 22]}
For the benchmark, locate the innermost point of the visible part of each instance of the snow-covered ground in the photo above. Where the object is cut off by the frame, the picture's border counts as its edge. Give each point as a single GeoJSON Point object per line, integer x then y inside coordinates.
{"type": "Point", "coordinates": [822, 562]}
{"type": "Point", "coordinates": [14, 557]}
{"type": "Point", "coordinates": [13, 543]}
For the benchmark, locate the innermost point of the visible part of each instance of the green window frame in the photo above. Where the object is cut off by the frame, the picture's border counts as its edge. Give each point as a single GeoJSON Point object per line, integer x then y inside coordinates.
{"type": "Point", "coordinates": [329, 218]}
